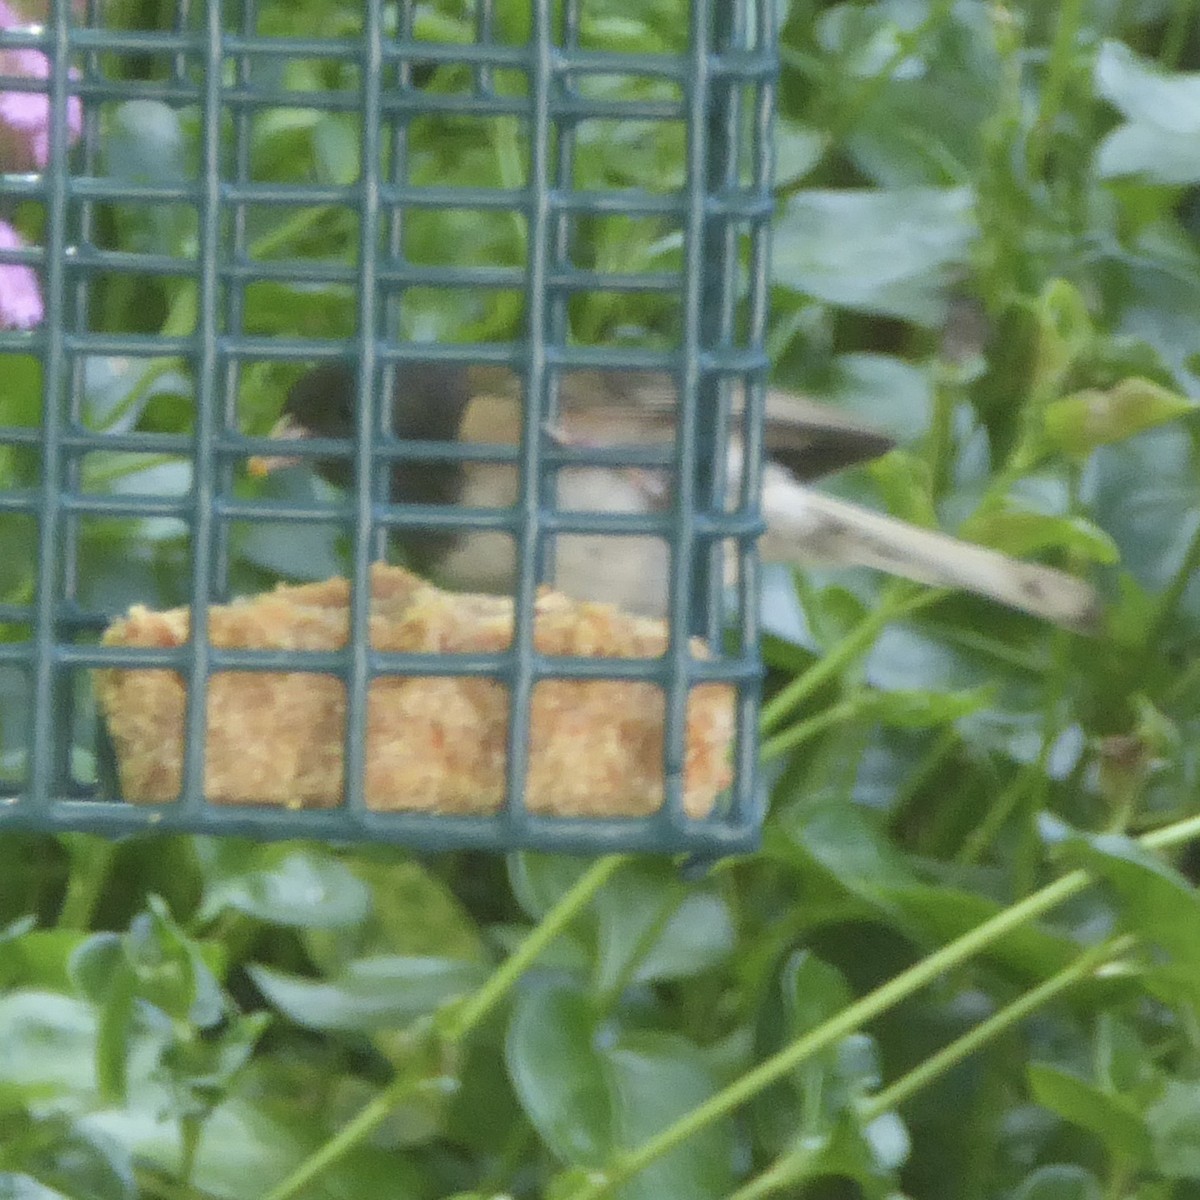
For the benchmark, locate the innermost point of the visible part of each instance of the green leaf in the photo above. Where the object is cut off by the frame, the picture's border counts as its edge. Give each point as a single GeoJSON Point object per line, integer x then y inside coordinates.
{"type": "Point", "coordinates": [168, 970]}
{"type": "Point", "coordinates": [1113, 1119]}
{"type": "Point", "coordinates": [1021, 534]}
{"type": "Point", "coordinates": [1146, 495]}
{"type": "Point", "coordinates": [845, 842]}
{"type": "Point", "coordinates": [38, 958]}
{"type": "Point", "coordinates": [1153, 900]}
{"type": "Point", "coordinates": [859, 381]}
{"type": "Point", "coordinates": [558, 1072]}
{"type": "Point", "coordinates": [924, 710]}
{"type": "Point", "coordinates": [246, 1150]}
{"type": "Point", "coordinates": [370, 994]}
{"type": "Point", "coordinates": [46, 1044]}
{"type": "Point", "coordinates": [307, 888]}
{"type": "Point", "coordinates": [1161, 135]}
{"type": "Point", "coordinates": [813, 991]}
{"type": "Point", "coordinates": [655, 1079]}
{"type": "Point", "coordinates": [1174, 1124]}
{"type": "Point", "coordinates": [307, 551]}
{"type": "Point", "coordinates": [1062, 1181]}
{"type": "Point", "coordinates": [18, 1186]}
{"type": "Point", "coordinates": [154, 965]}
{"type": "Point", "coordinates": [539, 881]}
{"type": "Point", "coordinates": [1157, 280]}
{"type": "Point", "coordinates": [868, 1155]}
{"type": "Point", "coordinates": [938, 913]}
{"type": "Point", "coordinates": [649, 925]}
{"type": "Point", "coordinates": [891, 253]}
{"type": "Point", "coordinates": [114, 1036]}
{"type": "Point", "coordinates": [1077, 424]}
{"type": "Point", "coordinates": [798, 149]}
{"type": "Point", "coordinates": [336, 149]}
{"type": "Point", "coordinates": [808, 992]}
{"type": "Point", "coordinates": [594, 1090]}
{"type": "Point", "coordinates": [412, 913]}
{"type": "Point", "coordinates": [70, 1158]}
{"type": "Point", "coordinates": [1064, 333]}
{"type": "Point", "coordinates": [145, 143]}
{"type": "Point", "coordinates": [917, 95]}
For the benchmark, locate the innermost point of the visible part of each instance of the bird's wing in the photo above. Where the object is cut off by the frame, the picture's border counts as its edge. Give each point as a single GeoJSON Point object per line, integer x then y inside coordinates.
{"type": "Point", "coordinates": [808, 438]}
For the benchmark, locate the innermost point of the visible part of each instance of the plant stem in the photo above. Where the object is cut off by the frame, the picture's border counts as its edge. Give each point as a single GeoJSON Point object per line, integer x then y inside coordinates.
{"type": "Point", "coordinates": [90, 861]}
{"type": "Point", "coordinates": [851, 1018]}
{"type": "Point", "coordinates": [462, 1022]}
{"type": "Point", "coordinates": [792, 737]}
{"type": "Point", "coordinates": [357, 1130]}
{"type": "Point", "coordinates": [1066, 34]}
{"type": "Point", "coordinates": [896, 603]}
{"type": "Point", "coordinates": [1179, 27]}
{"type": "Point", "coordinates": [1000, 1021]}
{"type": "Point", "coordinates": [466, 1018]}
{"type": "Point", "coordinates": [855, 1015]}
{"type": "Point", "coordinates": [789, 1167]}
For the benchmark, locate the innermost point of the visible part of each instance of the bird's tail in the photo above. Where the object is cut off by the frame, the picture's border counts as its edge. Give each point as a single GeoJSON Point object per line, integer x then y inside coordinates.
{"type": "Point", "coordinates": [807, 527]}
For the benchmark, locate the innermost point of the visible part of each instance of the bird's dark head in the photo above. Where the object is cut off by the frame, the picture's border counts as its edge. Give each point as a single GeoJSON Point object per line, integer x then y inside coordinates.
{"type": "Point", "coordinates": [427, 402]}
{"type": "Point", "coordinates": [321, 402]}
{"type": "Point", "coordinates": [428, 399]}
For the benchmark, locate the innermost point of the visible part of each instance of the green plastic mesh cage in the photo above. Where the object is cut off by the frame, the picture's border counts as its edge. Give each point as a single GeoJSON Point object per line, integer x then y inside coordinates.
{"type": "Point", "coordinates": [199, 200]}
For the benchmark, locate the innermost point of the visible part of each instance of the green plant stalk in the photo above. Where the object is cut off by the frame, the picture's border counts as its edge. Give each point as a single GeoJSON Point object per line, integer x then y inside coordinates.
{"type": "Point", "coordinates": [783, 1172]}
{"type": "Point", "coordinates": [1174, 834]}
{"type": "Point", "coordinates": [897, 603]}
{"type": "Point", "coordinates": [576, 899]}
{"type": "Point", "coordinates": [457, 1027]}
{"type": "Point", "coordinates": [357, 1130]}
{"type": "Point", "coordinates": [854, 1016]}
{"type": "Point", "coordinates": [288, 230]}
{"type": "Point", "coordinates": [136, 462]}
{"type": "Point", "coordinates": [191, 1130]}
{"type": "Point", "coordinates": [1179, 25]}
{"type": "Point", "coordinates": [90, 862]}
{"type": "Point", "coordinates": [850, 1019]}
{"type": "Point", "coordinates": [998, 813]}
{"type": "Point", "coordinates": [987, 1030]}
{"type": "Point", "coordinates": [786, 1168]}
{"type": "Point", "coordinates": [1066, 34]}
{"type": "Point", "coordinates": [790, 738]}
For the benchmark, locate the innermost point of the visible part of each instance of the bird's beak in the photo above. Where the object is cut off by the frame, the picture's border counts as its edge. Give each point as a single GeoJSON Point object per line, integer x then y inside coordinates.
{"type": "Point", "coordinates": [287, 428]}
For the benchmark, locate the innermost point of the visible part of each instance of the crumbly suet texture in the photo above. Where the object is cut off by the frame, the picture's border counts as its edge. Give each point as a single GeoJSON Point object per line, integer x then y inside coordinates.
{"type": "Point", "coordinates": [434, 743]}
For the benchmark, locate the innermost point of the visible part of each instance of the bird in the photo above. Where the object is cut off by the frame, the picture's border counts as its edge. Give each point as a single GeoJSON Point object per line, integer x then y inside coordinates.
{"type": "Point", "coordinates": [804, 440]}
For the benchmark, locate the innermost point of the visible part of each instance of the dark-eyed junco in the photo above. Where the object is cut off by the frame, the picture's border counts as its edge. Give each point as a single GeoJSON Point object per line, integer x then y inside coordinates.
{"type": "Point", "coordinates": [804, 441]}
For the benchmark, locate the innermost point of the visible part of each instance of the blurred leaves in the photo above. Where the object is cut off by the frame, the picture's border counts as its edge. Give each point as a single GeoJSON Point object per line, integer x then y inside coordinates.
{"type": "Point", "coordinates": [890, 253]}
{"type": "Point", "coordinates": [1160, 137]}
{"type": "Point", "coordinates": [370, 994]}
{"type": "Point", "coordinates": [593, 1090]}
{"type": "Point", "coordinates": [309, 889]}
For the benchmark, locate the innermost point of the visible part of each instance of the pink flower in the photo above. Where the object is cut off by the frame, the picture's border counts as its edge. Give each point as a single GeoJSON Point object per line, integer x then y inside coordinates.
{"type": "Point", "coordinates": [20, 297]}
{"type": "Point", "coordinates": [25, 116]}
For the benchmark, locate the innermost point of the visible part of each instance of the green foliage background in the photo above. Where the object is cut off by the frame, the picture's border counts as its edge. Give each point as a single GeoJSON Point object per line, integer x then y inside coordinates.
{"type": "Point", "coordinates": [965, 963]}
